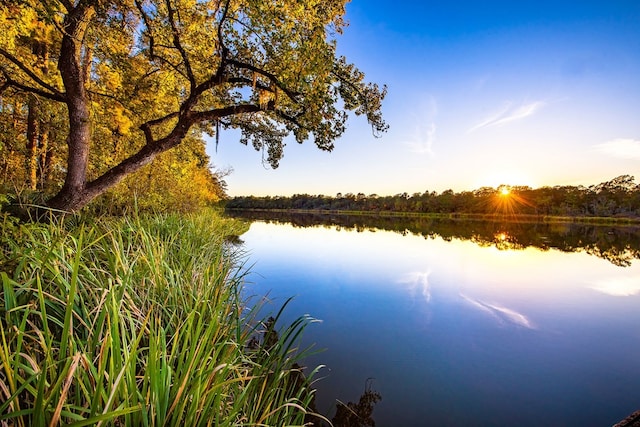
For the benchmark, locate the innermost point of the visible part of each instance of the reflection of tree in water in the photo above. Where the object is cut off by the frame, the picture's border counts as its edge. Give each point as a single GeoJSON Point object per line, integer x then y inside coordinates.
{"type": "Point", "coordinates": [264, 348]}
{"type": "Point", "coordinates": [503, 240]}
{"type": "Point", "coordinates": [619, 245]}
{"type": "Point", "coordinates": [622, 257]}
{"type": "Point", "coordinates": [358, 414]}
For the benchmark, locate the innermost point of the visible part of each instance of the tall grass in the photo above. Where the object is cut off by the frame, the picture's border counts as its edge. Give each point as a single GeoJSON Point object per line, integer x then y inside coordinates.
{"type": "Point", "coordinates": [138, 322]}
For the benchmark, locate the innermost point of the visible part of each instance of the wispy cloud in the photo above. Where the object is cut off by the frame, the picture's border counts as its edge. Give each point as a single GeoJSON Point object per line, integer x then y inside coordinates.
{"type": "Point", "coordinates": [625, 148]}
{"type": "Point", "coordinates": [493, 117]}
{"type": "Point", "coordinates": [501, 314]}
{"type": "Point", "coordinates": [423, 137]}
{"type": "Point", "coordinates": [509, 113]}
{"type": "Point", "coordinates": [421, 142]}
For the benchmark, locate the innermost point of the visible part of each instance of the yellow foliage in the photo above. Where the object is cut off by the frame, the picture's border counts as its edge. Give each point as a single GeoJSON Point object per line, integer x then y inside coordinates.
{"type": "Point", "coordinates": [111, 80]}
{"type": "Point", "coordinates": [14, 21]}
{"type": "Point", "coordinates": [176, 181]}
{"type": "Point", "coordinates": [121, 123]}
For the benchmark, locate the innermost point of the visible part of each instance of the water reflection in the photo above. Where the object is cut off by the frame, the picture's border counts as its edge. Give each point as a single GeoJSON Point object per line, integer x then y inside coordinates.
{"type": "Point", "coordinates": [419, 284]}
{"type": "Point", "coordinates": [617, 244]}
{"type": "Point", "coordinates": [617, 286]}
{"type": "Point", "coordinates": [459, 331]}
{"type": "Point", "coordinates": [502, 315]}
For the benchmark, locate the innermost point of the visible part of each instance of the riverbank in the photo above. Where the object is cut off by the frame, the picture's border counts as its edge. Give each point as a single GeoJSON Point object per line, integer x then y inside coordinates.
{"type": "Point", "coordinates": [521, 218]}
{"type": "Point", "coordinates": [139, 321]}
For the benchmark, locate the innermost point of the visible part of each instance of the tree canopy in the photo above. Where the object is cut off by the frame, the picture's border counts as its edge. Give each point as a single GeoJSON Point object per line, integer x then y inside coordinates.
{"type": "Point", "coordinates": [123, 81]}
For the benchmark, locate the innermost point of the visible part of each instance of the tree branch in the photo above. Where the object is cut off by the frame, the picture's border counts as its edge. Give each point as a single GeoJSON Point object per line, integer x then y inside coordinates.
{"type": "Point", "coordinates": [152, 41]}
{"type": "Point", "coordinates": [9, 82]}
{"type": "Point", "coordinates": [176, 42]}
{"type": "Point", "coordinates": [210, 115]}
{"type": "Point", "coordinates": [219, 76]}
{"type": "Point", "coordinates": [218, 113]}
{"type": "Point", "coordinates": [145, 19]}
{"type": "Point", "coordinates": [223, 49]}
{"type": "Point", "coordinates": [29, 73]}
{"type": "Point", "coordinates": [291, 119]}
{"type": "Point", "coordinates": [67, 4]}
{"type": "Point", "coordinates": [363, 97]}
{"type": "Point", "coordinates": [146, 127]}
{"type": "Point", "coordinates": [105, 95]}
{"type": "Point", "coordinates": [129, 165]}
{"type": "Point", "coordinates": [272, 78]}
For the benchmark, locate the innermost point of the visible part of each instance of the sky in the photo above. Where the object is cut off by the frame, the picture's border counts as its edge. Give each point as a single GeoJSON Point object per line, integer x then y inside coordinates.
{"type": "Point", "coordinates": [480, 93]}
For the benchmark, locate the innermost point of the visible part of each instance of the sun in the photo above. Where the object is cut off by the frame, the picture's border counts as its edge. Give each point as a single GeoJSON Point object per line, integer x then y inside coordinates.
{"type": "Point", "coordinates": [508, 200]}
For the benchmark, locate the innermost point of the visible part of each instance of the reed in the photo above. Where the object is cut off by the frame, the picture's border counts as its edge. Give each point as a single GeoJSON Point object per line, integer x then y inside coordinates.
{"type": "Point", "coordinates": [139, 321]}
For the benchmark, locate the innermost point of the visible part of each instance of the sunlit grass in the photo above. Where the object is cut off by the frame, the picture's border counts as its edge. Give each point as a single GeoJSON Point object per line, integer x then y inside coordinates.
{"type": "Point", "coordinates": [138, 322]}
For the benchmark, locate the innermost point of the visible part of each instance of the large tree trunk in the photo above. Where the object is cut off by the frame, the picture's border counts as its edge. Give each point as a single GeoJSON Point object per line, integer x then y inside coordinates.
{"type": "Point", "coordinates": [70, 201]}
{"type": "Point", "coordinates": [76, 191]}
{"type": "Point", "coordinates": [71, 197]}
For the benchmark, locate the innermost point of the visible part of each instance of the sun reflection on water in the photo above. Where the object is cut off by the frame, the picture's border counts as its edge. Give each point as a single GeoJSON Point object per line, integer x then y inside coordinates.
{"type": "Point", "coordinates": [505, 241]}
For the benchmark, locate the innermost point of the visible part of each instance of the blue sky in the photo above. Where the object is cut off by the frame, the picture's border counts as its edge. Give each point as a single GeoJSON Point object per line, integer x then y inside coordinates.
{"type": "Point", "coordinates": [480, 94]}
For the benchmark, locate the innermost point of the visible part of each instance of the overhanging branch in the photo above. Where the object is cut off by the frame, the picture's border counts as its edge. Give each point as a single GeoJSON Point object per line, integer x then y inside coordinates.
{"type": "Point", "coordinates": [146, 127]}
{"type": "Point", "coordinates": [215, 114]}
{"type": "Point", "coordinates": [293, 95]}
{"type": "Point", "coordinates": [53, 92]}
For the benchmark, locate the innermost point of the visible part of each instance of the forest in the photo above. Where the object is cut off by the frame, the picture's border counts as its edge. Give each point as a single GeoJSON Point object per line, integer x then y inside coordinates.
{"type": "Point", "coordinates": [94, 94]}
{"type": "Point", "coordinates": [619, 197]}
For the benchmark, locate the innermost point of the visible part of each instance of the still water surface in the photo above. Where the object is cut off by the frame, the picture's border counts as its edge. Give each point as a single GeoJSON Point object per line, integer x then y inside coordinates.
{"type": "Point", "coordinates": [458, 332]}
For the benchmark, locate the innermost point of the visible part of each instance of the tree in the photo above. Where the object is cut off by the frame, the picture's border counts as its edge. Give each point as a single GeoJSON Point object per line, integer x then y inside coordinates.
{"type": "Point", "coordinates": [179, 180]}
{"type": "Point", "coordinates": [161, 70]}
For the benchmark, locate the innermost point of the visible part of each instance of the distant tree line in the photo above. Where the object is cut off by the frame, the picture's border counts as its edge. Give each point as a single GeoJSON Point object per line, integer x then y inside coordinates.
{"type": "Point", "coordinates": [619, 197]}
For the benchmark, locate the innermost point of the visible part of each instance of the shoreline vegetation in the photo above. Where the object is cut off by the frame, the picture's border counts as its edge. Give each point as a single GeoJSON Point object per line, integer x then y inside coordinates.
{"type": "Point", "coordinates": [612, 202]}
{"type": "Point", "coordinates": [139, 321]}
{"type": "Point", "coordinates": [515, 218]}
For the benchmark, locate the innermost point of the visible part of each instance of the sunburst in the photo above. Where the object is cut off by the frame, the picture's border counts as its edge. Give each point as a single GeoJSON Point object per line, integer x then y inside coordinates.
{"type": "Point", "coordinates": [507, 201]}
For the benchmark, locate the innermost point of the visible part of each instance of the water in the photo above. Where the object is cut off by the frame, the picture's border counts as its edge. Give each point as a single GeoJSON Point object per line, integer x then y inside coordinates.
{"type": "Point", "coordinates": [478, 331]}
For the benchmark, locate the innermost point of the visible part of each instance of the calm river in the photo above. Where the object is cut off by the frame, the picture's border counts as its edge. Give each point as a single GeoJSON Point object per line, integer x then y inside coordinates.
{"type": "Point", "coordinates": [462, 324]}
